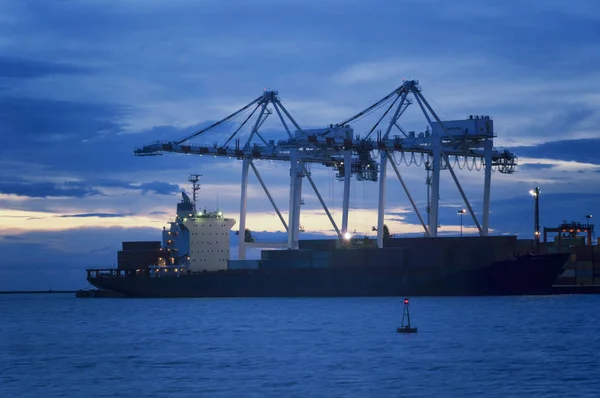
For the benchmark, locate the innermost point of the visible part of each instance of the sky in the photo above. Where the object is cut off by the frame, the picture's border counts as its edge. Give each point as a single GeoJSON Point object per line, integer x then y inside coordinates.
{"type": "Point", "coordinates": [84, 82]}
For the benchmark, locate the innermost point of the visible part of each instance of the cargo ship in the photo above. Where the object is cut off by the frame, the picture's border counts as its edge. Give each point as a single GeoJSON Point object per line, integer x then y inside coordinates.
{"type": "Point", "coordinates": [193, 260]}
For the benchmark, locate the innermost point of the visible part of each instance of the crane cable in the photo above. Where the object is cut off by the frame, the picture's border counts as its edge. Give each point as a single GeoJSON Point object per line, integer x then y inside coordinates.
{"type": "Point", "coordinates": [382, 117]}
{"type": "Point", "coordinates": [368, 110]}
{"type": "Point", "coordinates": [242, 125]}
{"type": "Point", "coordinates": [236, 113]}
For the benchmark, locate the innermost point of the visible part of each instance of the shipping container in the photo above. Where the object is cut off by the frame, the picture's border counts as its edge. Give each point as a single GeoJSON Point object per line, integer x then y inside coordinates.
{"type": "Point", "coordinates": [350, 258]}
{"type": "Point", "coordinates": [243, 264]}
{"type": "Point", "coordinates": [131, 259]}
{"type": "Point", "coordinates": [142, 245]}
{"type": "Point", "coordinates": [387, 257]}
{"type": "Point", "coordinates": [318, 244]}
{"type": "Point", "coordinates": [283, 255]}
{"type": "Point", "coordinates": [284, 264]}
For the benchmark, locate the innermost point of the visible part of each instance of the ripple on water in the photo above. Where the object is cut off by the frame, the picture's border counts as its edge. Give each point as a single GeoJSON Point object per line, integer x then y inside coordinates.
{"type": "Point", "coordinates": [54, 345]}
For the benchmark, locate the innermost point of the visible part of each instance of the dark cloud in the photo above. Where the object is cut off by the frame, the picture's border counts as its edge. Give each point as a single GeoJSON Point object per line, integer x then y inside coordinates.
{"type": "Point", "coordinates": [22, 187]}
{"type": "Point", "coordinates": [83, 139]}
{"type": "Point", "coordinates": [158, 187]}
{"type": "Point", "coordinates": [161, 188]}
{"type": "Point", "coordinates": [45, 189]}
{"type": "Point", "coordinates": [580, 150]}
{"type": "Point", "coordinates": [43, 121]}
{"type": "Point", "coordinates": [11, 67]}
{"type": "Point", "coordinates": [13, 237]}
{"type": "Point", "coordinates": [100, 215]}
{"type": "Point", "coordinates": [101, 250]}
{"type": "Point", "coordinates": [159, 213]}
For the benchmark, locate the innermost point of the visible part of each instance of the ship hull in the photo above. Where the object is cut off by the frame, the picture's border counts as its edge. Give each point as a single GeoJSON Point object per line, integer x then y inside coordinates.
{"type": "Point", "coordinates": [525, 275]}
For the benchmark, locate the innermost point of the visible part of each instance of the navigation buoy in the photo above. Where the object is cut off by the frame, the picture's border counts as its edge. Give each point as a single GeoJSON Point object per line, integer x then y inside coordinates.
{"type": "Point", "coordinates": [406, 328]}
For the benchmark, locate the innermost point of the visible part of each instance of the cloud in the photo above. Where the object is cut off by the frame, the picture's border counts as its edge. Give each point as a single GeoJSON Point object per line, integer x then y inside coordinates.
{"type": "Point", "coordinates": [13, 237]}
{"type": "Point", "coordinates": [535, 166]}
{"type": "Point", "coordinates": [45, 190]}
{"type": "Point", "coordinates": [395, 69]}
{"type": "Point", "coordinates": [27, 121]}
{"type": "Point", "coordinates": [160, 188]}
{"type": "Point", "coordinates": [582, 150]}
{"type": "Point", "coordinates": [157, 187]}
{"type": "Point", "coordinates": [80, 188]}
{"type": "Point", "coordinates": [100, 215]}
{"type": "Point", "coordinates": [12, 67]}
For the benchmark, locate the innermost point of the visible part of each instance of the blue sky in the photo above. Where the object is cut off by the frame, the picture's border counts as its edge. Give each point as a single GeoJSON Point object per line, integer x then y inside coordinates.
{"type": "Point", "coordinates": [84, 82]}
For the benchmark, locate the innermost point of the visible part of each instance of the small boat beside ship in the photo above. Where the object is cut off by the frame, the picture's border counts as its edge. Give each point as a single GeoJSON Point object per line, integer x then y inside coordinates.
{"type": "Point", "coordinates": [193, 260]}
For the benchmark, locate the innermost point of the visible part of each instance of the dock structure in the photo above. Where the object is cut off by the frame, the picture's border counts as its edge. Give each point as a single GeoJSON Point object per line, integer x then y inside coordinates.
{"type": "Point", "coordinates": [443, 146]}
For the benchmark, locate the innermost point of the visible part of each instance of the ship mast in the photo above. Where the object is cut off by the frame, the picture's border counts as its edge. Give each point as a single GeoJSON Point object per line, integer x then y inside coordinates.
{"type": "Point", "coordinates": [194, 178]}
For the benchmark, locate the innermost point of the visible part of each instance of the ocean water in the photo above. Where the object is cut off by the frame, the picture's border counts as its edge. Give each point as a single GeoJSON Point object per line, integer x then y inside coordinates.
{"type": "Point", "coordinates": [53, 345]}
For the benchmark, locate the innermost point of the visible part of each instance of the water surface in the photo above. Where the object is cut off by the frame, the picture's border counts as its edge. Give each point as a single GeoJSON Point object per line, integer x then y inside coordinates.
{"type": "Point", "coordinates": [53, 345]}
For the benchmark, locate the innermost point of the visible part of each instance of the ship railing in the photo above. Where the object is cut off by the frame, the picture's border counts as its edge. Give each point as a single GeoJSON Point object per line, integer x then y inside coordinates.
{"type": "Point", "coordinates": [93, 273]}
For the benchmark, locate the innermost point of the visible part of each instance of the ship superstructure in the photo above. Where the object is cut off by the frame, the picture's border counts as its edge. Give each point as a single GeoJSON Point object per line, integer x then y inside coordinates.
{"type": "Point", "coordinates": [196, 240]}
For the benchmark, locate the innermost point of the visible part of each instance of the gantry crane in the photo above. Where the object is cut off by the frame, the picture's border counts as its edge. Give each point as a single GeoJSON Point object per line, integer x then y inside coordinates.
{"type": "Point", "coordinates": [462, 143]}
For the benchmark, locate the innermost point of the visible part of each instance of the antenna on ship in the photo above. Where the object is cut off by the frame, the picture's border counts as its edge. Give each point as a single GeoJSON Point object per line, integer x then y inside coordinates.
{"type": "Point", "coordinates": [406, 328]}
{"type": "Point", "coordinates": [194, 178]}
